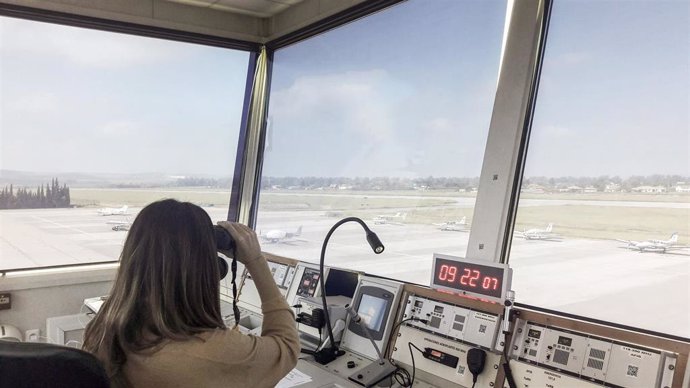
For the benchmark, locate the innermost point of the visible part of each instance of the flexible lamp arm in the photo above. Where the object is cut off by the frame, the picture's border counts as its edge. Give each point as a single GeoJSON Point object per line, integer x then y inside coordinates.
{"type": "Point", "coordinates": [376, 246]}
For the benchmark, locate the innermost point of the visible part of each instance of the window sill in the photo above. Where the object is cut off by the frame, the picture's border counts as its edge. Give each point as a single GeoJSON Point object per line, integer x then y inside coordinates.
{"type": "Point", "coordinates": [53, 277]}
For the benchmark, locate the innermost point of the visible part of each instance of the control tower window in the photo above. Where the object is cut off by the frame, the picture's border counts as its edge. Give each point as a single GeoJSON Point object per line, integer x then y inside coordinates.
{"type": "Point", "coordinates": [603, 223]}
{"type": "Point", "coordinates": [386, 119]}
{"type": "Point", "coordinates": [94, 125]}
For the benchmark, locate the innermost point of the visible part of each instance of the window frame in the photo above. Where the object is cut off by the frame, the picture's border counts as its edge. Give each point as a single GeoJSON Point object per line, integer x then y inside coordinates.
{"type": "Point", "coordinates": [98, 24]}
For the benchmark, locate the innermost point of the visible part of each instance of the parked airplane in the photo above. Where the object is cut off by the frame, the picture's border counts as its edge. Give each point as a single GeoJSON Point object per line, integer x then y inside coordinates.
{"type": "Point", "coordinates": [395, 219]}
{"type": "Point", "coordinates": [277, 235]}
{"type": "Point", "coordinates": [539, 234]}
{"type": "Point", "coordinates": [454, 226]}
{"type": "Point", "coordinates": [654, 245]}
{"type": "Point", "coordinates": [109, 211]}
{"type": "Point", "coordinates": [120, 225]}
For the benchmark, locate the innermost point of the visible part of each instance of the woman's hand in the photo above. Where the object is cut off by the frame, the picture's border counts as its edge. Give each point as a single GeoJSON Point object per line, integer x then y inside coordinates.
{"type": "Point", "coordinates": [247, 248]}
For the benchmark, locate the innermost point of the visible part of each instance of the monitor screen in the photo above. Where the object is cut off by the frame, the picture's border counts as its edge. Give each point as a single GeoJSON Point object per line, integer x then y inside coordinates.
{"type": "Point", "coordinates": [341, 282]}
{"type": "Point", "coordinates": [372, 310]}
{"type": "Point", "coordinates": [308, 283]}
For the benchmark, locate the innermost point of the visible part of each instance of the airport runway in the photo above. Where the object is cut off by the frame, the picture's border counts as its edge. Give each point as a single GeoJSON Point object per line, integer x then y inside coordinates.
{"type": "Point", "coordinates": [595, 278]}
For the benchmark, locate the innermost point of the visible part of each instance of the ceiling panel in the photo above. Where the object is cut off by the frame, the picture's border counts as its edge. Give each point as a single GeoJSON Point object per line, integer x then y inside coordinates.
{"type": "Point", "coordinates": [257, 8]}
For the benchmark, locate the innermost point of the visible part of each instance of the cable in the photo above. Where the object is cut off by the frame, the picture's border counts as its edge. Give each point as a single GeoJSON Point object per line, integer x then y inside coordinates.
{"type": "Point", "coordinates": [506, 366]}
{"type": "Point", "coordinates": [390, 336]}
{"type": "Point", "coordinates": [402, 377]}
{"type": "Point", "coordinates": [410, 345]}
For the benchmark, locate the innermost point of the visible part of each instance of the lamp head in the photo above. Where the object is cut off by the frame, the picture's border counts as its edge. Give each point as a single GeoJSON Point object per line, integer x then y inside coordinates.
{"type": "Point", "coordinates": [375, 242]}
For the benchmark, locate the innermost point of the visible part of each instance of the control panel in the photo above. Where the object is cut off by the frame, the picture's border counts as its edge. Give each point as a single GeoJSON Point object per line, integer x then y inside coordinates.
{"type": "Point", "coordinates": [305, 283]}
{"type": "Point", "coordinates": [440, 335]}
{"type": "Point", "coordinates": [249, 302]}
{"type": "Point", "coordinates": [280, 273]}
{"type": "Point", "coordinates": [441, 361]}
{"type": "Point", "coordinates": [249, 296]}
{"type": "Point", "coordinates": [376, 302]}
{"type": "Point", "coordinates": [563, 354]}
{"type": "Point", "coordinates": [308, 282]}
{"type": "Point", "coordinates": [455, 337]}
{"type": "Point", "coordinates": [454, 322]}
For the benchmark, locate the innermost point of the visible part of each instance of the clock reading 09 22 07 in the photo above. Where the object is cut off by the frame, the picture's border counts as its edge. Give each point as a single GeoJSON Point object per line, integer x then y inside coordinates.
{"type": "Point", "coordinates": [463, 276]}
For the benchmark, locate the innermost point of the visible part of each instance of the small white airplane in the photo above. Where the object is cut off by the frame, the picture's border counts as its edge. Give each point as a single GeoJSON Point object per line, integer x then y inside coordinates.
{"type": "Point", "coordinates": [109, 211]}
{"type": "Point", "coordinates": [454, 226]}
{"type": "Point", "coordinates": [120, 225]}
{"type": "Point", "coordinates": [281, 236]}
{"type": "Point", "coordinates": [661, 246]}
{"type": "Point", "coordinates": [395, 219]}
{"type": "Point", "coordinates": [539, 234]}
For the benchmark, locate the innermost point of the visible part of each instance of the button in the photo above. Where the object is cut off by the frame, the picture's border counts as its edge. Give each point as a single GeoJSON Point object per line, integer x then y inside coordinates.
{"type": "Point", "coordinates": [351, 364]}
{"type": "Point", "coordinates": [360, 376]}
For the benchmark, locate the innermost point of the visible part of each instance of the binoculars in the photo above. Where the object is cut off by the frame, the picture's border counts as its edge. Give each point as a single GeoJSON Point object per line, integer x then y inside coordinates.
{"type": "Point", "coordinates": [224, 242]}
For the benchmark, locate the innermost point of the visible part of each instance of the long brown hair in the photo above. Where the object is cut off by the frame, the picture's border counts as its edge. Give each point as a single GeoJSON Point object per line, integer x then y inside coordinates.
{"type": "Point", "coordinates": [167, 286]}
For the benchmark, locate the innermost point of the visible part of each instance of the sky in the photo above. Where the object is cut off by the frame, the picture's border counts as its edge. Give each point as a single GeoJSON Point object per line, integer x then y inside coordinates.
{"type": "Point", "coordinates": [407, 92]}
{"type": "Point", "coordinates": [76, 100]}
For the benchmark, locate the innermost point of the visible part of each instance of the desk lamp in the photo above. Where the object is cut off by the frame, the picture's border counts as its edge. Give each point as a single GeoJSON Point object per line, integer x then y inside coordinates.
{"type": "Point", "coordinates": [330, 353]}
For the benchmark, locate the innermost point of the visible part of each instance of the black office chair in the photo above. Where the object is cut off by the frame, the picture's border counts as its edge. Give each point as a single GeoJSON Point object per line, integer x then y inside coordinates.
{"type": "Point", "coordinates": [38, 365]}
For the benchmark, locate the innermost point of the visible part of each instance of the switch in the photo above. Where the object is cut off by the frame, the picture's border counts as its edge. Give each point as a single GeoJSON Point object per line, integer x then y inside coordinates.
{"type": "Point", "coordinates": [5, 301]}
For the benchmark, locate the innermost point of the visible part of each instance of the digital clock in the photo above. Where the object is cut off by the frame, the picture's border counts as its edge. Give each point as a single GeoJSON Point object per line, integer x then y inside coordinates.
{"type": "Point", "coordinates": [481, 279]}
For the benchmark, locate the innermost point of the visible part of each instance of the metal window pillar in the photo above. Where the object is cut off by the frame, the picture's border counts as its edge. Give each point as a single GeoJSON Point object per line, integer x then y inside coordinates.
{"type": "Point", "coordinates": [247, 177]}
{"type": "Point", "coordinates": [499, 184]}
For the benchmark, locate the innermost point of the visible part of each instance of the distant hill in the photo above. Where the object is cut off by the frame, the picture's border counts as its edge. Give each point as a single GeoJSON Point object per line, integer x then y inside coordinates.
{"type": "Point", "coordinates": [106, 180]}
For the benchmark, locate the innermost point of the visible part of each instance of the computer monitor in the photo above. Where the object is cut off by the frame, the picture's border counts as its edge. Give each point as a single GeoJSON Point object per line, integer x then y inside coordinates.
{"type": "Point", "coordinates": [376, 302]}
{"type": "Point", "coordinates": [373, 304]}
{"type": "Point", "coordinates": [341, 282]}
{"type": "Point", "coordinates": [371, 310]}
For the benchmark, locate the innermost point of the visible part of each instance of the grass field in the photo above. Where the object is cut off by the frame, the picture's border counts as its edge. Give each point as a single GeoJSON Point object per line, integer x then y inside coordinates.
{"type": "Point", "coordinates": [597, 222]}
{"type": "Point", "coordinates": [141, 197]}
{"type": "Point", "coordinates": [602, 222]}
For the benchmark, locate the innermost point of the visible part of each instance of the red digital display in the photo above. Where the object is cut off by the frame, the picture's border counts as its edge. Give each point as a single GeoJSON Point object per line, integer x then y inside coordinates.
{"type": "Point", "coordinates": [463, 276]}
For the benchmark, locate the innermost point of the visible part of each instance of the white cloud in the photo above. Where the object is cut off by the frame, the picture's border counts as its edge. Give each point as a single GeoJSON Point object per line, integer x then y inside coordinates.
{"type": "Point", "coordinates": [440, 125]}
{"type": "Point", "coordinates": [39, 102]}
{"type": "Point", "coordinates": [570, 58]}
{"type": "Point", "coordinates": [83, 47]}
{"type": "Point", "coordinates": [558, 131]}
{"type": "Point", "coordinates": [358, 101]}
{"type": "Point", "coordinates": [120, 128]}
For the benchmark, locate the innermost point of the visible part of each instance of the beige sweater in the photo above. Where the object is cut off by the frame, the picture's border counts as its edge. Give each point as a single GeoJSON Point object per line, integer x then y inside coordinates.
{"type": "Point", "coordinates": [227, 358]}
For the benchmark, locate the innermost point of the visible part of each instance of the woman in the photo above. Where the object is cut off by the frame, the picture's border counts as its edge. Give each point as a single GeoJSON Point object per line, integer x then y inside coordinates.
{"type": "Point", "coordinates": [161, 326]}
